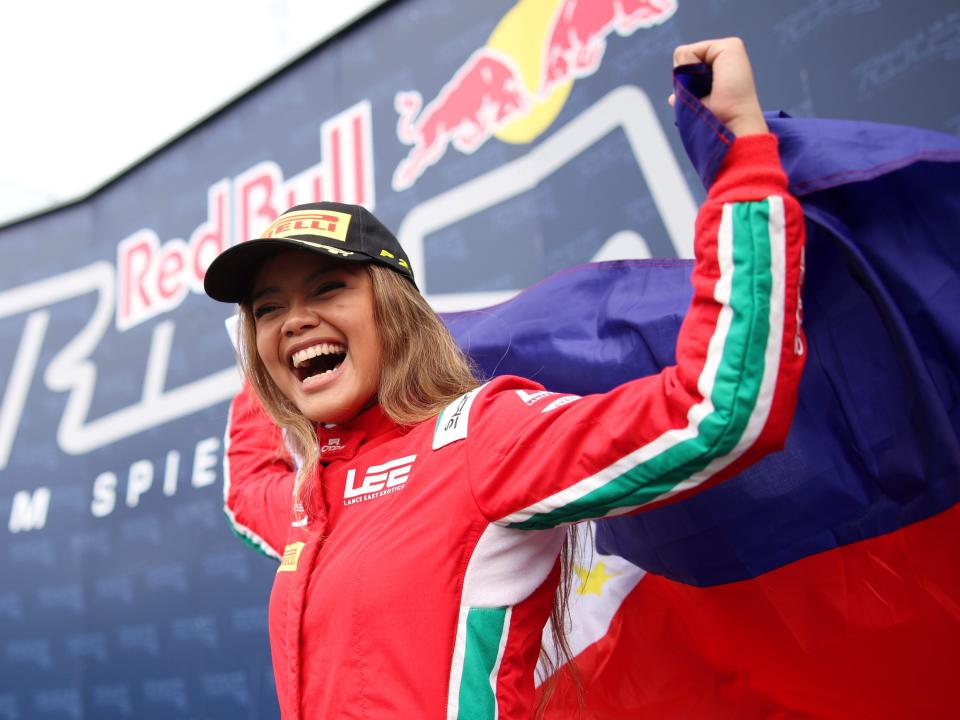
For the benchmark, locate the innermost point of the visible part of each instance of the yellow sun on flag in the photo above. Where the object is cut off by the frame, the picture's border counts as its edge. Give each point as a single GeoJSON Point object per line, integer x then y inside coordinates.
{"type": "Point", "coordinates": [593, 579]}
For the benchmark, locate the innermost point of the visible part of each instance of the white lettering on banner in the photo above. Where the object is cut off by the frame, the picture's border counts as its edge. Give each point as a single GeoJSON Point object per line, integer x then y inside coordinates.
{"type": "Point", "coordinates": [21, 375]}
{"type": "Point", "coordinates": [104, 494]}
{"type": "Point", "coordinates": [154, 278]}
{"type": "Point", "coordinates": [140, 480]}
{"type": "Point", "coordinates": [141, 474]}
{"type": "Point", "coordinates": [70, 369]}
{"type": "Point", "coordinates": [29, 510]}
{"type": "Point", "coordinates": [258, 198]}
{"type": "Point", "coordinates": [170, 472]}
{"type": "Point", "coordinates": [205, 462]}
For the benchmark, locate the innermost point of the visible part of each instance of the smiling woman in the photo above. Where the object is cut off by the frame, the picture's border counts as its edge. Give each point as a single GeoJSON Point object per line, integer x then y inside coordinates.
{"type": "Point", "coordinates": [315, 333]}
{"type": "Point", "coordinates": [331, 322]}
{"type": "Point", "coordinates": [419, 516]}
{"type": "Point", "coordinates": [322, 339]}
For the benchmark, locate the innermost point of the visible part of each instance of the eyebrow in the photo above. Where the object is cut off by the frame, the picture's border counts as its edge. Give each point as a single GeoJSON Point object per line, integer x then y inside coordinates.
{"type": "Point", "coordinates": [312, 277]}
{"type": "Point", "coordinates": [265, 291]}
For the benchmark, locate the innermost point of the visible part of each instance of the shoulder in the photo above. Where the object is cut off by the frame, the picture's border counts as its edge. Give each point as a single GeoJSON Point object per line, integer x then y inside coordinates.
{"type": "Point", "coordinates": [482, 410]}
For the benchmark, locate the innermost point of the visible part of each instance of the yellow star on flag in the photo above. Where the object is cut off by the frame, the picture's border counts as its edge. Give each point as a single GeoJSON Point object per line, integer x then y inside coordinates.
{"type": "Point", "coordinates": [593, 579]}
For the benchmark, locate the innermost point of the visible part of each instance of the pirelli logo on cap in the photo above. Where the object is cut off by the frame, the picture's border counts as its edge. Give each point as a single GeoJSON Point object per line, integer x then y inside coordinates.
{"type": "Point", "coordinates": [322, 223]}
{"type": "Point", "coordinates": [291, 557]}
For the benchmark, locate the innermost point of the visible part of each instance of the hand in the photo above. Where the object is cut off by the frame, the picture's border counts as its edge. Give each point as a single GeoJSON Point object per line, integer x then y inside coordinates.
{"type": "Point", "coordinates": [733, 98]}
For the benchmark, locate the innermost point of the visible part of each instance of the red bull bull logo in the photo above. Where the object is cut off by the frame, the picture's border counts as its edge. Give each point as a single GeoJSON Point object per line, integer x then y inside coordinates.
{"type": "Point", "coordinates": [578, 38]}
{"type": "Point", "coordinates": [483, 94]}
{"type": "Point", "coordinates": [524, 72]}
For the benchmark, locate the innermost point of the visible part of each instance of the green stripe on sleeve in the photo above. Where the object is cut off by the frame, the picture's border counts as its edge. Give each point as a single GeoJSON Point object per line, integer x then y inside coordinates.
{"type": "Point", "coordinates": [486, 631]}
{"type": "Point", "coordinates": [258, 545]}
{"type": "Point", "coordinates": [678, 454]}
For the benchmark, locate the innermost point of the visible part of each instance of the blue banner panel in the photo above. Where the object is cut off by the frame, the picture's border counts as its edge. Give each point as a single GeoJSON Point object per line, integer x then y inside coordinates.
{"type": "Point", "coordinates": [503, 141]}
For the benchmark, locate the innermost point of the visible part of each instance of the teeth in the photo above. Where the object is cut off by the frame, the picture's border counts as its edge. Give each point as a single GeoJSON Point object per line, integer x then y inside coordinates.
{"type": "Point", "coordinates": [299, 358]}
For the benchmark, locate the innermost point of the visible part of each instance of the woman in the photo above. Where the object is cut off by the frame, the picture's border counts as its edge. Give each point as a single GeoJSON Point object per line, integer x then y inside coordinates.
{"type": "Point", "coordinates": [420, 542]}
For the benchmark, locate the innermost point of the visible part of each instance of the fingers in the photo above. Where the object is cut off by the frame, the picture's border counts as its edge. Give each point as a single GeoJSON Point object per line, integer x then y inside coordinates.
{"type": "Point", "coordinates": [733, 94]}
{"type": "Point", "coordinates": [687, 54]}
{"type": "Point", "coordinates": [706, 51]}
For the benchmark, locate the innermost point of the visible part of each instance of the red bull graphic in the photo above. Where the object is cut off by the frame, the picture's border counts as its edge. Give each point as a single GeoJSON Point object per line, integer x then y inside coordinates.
{"type": "Point", "coordinates": [579, 35]}
{"type": "Point", "coordinates": [523, 72]}
{"type": "Point", "coordinates": [483, 94]}
{"type": "Point", "coordinates": [155, 277]}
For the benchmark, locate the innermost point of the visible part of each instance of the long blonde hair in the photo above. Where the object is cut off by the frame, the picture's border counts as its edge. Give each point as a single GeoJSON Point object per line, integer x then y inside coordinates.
{"type": "Point", "coordinates": [422, 370]}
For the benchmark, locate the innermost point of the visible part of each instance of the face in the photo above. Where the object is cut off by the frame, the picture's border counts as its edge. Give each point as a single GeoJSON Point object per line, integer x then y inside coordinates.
{"type": "Point", "coordinates": [316, 333]}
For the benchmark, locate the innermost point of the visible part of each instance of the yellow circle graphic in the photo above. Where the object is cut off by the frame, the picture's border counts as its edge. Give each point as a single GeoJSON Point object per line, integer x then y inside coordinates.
{"type": "Point", "coordinates": [521, 35]}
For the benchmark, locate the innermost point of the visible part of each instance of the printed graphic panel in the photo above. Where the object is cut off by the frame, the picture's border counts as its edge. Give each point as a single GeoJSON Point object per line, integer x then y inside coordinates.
{"type": "Point", "coordinates": [503, 141]}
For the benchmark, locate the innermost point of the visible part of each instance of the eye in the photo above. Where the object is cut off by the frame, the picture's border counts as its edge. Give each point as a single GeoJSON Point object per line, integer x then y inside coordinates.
{"type": "Point", "coordinates": [261, 310]}
{"type": "Point", "coordinates": [329, 287]}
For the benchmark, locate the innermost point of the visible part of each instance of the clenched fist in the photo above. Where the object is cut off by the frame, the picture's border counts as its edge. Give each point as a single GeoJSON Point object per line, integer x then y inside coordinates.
{"type": "Point", "coordinates": [733, 98]}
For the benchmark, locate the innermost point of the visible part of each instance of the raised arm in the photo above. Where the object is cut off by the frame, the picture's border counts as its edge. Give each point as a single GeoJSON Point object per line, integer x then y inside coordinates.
{"type": "Point", "coordinates": [536, 462]}
{"type": "Point", "coordinates": [258, 477]}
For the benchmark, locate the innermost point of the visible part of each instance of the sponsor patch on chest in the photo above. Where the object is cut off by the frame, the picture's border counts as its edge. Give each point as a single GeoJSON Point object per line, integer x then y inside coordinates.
{"type": "Point", "coordinates": [291, 557]}
{"type": "Point", "coordinates": [377, 480]}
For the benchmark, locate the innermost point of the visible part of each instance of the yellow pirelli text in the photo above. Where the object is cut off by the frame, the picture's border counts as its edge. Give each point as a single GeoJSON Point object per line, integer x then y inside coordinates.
{"type": "Point", "coordinates": [320, 223]}
{"type": "Point", "coordinates": [291, 556]}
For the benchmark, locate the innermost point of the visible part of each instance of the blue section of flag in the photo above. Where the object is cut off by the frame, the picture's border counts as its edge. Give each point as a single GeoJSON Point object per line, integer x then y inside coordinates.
{"type": "Point", "coordinates": [583, 330]}
{"type": "Point", "coordinates": [874, 444]}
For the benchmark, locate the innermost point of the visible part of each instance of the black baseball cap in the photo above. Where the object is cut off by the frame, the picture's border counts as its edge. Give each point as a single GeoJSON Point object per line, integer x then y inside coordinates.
{"type": "Point", "coordinates": [344, 232]}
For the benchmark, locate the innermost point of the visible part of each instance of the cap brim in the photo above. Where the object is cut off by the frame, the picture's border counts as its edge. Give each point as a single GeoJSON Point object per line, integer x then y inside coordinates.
{"type": "Point", "coordinates": [230, 275]}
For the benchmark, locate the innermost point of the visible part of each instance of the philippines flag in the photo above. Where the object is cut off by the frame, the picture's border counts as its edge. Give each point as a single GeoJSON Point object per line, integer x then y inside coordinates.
{"type": "Point", "coordinates": [824, 581]}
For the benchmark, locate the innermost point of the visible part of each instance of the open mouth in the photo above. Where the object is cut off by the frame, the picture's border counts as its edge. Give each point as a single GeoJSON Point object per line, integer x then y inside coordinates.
{"type": "Point", "coordinates": [318, 359]}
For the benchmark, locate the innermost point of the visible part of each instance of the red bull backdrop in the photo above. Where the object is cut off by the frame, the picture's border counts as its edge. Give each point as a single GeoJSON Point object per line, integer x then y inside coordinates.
{"type": "Point", "coordinates": [503, 141]}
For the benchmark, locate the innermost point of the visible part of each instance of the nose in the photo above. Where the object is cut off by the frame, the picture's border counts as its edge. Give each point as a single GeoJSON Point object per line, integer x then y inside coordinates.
{"type": "Point", "coordinates": [300, 317]}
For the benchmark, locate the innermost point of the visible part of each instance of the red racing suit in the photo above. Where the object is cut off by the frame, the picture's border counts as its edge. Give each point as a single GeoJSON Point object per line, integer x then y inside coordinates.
{"type": "Point", "coordinates": [419, 584]}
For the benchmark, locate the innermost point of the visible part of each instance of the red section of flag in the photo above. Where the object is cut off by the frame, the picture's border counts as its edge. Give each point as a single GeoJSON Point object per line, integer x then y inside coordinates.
{"type": "Point", "coordinates": [869, 630]}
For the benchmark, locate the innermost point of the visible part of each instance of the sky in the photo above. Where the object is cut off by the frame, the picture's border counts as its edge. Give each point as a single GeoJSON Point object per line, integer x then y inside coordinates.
{"type": "Point", "coordinates": [89, 87]}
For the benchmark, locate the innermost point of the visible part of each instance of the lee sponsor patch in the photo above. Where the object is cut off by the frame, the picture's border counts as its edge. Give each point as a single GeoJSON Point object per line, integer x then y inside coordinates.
{"type": "Point", "coordinates": [378, 480]}
{"type": "Point", "coordinates": [322, 223]}
{"type": "Point", "coordinates": [291, 557]}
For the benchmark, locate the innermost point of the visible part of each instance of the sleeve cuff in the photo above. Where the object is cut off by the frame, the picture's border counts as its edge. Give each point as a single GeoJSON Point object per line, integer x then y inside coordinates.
{"type": "Point", "coordinates": [751, 170]}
